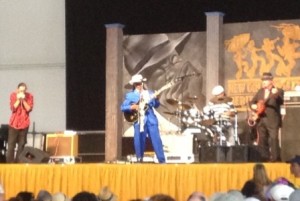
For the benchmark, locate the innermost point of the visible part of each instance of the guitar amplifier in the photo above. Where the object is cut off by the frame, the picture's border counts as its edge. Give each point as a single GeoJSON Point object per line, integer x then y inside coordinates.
{"type": "Point", "coordinates": [292, 98]}
{"type": "Point", "coordinates": [62, 144]}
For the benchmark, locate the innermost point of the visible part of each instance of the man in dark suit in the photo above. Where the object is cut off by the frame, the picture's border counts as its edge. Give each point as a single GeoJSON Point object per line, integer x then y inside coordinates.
{"type": "Point", "coordinates": [266, 108]}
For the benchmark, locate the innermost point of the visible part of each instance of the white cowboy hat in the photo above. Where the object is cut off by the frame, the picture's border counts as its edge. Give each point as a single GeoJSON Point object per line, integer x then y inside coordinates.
{"type": "Point", "coordinates": [137, 79]}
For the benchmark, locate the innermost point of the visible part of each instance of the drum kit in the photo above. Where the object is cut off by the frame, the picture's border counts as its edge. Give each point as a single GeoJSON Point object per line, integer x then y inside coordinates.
{"type": "Point", "coordinates": [205, 126]}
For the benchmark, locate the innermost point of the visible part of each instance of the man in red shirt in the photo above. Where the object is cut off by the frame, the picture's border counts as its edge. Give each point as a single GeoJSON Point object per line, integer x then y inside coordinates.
{"type": "Point", "coordinates": [21, 104]}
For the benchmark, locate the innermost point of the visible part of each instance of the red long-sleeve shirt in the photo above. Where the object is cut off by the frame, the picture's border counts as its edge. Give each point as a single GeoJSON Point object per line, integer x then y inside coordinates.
{"type": "Point", "coordinates": [19, 118]}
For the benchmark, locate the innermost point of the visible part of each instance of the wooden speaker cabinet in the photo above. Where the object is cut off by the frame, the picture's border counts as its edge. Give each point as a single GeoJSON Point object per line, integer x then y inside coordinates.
{"type": "Point", "coordinates": [62, 145]}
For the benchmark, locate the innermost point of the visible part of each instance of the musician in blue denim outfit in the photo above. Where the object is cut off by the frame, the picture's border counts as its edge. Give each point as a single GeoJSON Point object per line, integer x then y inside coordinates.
{"type": "Point", "coordinates": [138, 105]}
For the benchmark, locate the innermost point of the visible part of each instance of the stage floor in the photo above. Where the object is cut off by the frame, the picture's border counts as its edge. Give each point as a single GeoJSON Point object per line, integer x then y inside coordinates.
{"type": "Point", "coordinates": [132, 181]}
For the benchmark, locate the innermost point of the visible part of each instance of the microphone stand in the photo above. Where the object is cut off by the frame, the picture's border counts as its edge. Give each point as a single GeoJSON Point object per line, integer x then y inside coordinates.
{"type": "Point", "coordinates": [236, 139]}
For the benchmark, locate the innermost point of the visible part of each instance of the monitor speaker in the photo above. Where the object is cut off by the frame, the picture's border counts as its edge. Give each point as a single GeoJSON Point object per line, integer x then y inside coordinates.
{"type": "Point", "coordinates": [33, 155]}
{"type": "Point", "coordinates": [237, 153]}
{"type": "Point", "coordinates": [212, 154]}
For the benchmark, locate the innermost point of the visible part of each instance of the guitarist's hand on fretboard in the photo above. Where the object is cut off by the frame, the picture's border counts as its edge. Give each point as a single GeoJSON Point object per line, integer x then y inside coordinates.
{"type": "Point", "coordinates": [253, 106]}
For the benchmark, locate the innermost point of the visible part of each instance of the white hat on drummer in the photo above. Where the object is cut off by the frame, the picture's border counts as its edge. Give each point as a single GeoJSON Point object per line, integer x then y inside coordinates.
{"type": "Point", "coordinates": [217, 90]}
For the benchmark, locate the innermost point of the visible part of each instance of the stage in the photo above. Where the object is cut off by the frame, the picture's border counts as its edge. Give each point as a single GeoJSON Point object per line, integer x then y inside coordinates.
{"type": "Point", "coordinates": [132, 181]}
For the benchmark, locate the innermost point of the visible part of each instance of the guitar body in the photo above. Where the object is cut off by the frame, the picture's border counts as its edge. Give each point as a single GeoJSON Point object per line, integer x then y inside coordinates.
{"type": "Point", "coordinates": [131, 117]}
{"type": "Point", "coordinates": [255, 115]}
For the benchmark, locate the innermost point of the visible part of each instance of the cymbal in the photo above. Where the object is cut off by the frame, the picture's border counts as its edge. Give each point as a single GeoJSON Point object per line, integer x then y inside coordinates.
{"type": "Point", "coordinates": [172, 101]}
{"type": "Point", "coordinates": [192, 98]}
{"type": "Point", "coordinates": [172, 113]}
{"type": "Point", "coordinates": [179, 104]}
{"type": "Point", "coordinates": [218, 100]}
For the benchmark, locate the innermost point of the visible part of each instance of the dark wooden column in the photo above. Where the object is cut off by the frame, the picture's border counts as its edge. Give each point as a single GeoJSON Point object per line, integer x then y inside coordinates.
{"type": "Point", "coordinates": [114, 76]}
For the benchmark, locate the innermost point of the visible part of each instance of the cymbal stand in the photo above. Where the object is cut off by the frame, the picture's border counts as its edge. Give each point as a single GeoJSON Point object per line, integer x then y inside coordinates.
{"type": "Point", "coordinates": [179, 114]}
{"type": "Point", "coordinates": [220, 131]}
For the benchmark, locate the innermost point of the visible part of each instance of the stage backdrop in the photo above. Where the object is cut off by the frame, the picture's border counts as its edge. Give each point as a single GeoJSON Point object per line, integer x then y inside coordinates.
{"type": "Point", "coordinates": [249, 50]}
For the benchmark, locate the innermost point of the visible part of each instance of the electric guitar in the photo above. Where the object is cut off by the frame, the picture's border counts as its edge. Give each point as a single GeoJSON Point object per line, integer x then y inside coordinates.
{"type": "Point", "coordinates": [261, 107]}
{"type": "Point", "coordinates": [133, 116]}
{"type": "Point", "coordinates": [255, 114]}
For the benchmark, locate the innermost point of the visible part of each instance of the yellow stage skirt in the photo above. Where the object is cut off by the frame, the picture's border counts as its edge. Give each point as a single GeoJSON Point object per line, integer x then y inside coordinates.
{"type": "Point", "coordinates": [132, 181]}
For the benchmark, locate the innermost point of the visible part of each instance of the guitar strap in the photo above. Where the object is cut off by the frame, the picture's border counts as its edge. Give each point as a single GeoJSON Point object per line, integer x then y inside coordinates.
{"type": "Point", "coordinates": [144, 99]}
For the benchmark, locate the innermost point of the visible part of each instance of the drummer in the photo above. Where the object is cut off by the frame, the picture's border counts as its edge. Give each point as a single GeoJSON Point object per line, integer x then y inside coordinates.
{"type": "Point", "coordinates": [221, 109]}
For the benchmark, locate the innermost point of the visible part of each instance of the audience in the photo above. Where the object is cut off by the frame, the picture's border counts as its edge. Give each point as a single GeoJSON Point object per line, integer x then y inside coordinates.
{"type": "Point", "coordinates": [85, 196]}
{"type": "Point", "coordinates": [295, 170]}
{"type": "Point", "coordinates": [259, 188]}
{"type": "Point", "coordinates": [59, 197]}
{"type": "Point", "coordinates": [25, 196]}
{"type": "Point", "coordinates": [258, 185]}
{"type": "Point", "coordinates": [196, 196]}
{"type": "Point", "coordinates": [261, 179]}
{"type": "Point", "coordinates": [106, 195]}
{"type": "Point", "coordinates": [295, 196]}
{"type": "Point", "coordinates": [161, 197]}
{"type": "Point", "coordinates": [280, 192]}
{"type": "Point", "coordinates": [44, 195]}
{"type": "Point", "coordinates": [1, 193]}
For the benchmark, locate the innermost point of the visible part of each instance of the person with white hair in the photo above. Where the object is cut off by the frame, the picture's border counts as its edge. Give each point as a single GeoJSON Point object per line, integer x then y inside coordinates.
{"type": "Point", "coordinates": [221, 109]}
{"type": "Point", "coordinates": [280, 192]}
{"type": "Point", "coordinates": [295, 195]}
{"type": "Point", "coordinates": [138, 108]}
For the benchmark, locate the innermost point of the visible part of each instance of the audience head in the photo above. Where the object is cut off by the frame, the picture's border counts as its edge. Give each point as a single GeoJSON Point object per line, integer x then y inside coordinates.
{"type": "Point", "coordinates": [161, 197]}
{"type": "Point", "coordinates": [260, 175]}
{"type": "Point", "coordinates": [106, 194]}
{"type": "Point", "coordinates": [25, 196]}
{"type": "Point", "coordinates": [217, 196]}
{"type": "Point", "coordinates": [249, 189]}
{"type": "Point", "coordinates": [236, 194]}
{"type": "Point", "coordinates": [251, 199]}
{"type": "Point", "coordinates": [295, 196]}
{"type": "Point", "coordinates": [197, 196]}
{"type": "Point", "coordinates": [14, 199]}
{"type": "Point", "coordinates": [44, 195]}
{"type": "Point", "coordinates": [59, 197]}
{"type": "Point", "coordinates": [85, 196]}
{"type": "Point", "coordinates": [295, 166]}
{"type": "Point", "coordinates": [280, 192]}
{"type": "Point", "coordinates": [1, 193]}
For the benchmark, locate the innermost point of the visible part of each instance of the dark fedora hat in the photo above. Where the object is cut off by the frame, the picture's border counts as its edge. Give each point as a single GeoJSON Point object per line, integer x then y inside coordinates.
{"type": "Point", "coordinates": [267, 76]}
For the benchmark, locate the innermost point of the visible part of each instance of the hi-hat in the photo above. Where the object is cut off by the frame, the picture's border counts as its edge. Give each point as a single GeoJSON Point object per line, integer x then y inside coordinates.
{"type": "Point", "coordinates": [179, 104]}
{"type": "Point", "coordinates": [218, 100]}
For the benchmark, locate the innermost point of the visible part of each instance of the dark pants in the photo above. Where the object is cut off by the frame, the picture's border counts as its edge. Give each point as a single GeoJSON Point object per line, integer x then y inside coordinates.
{"type": "Point", "coordinates": [268, 140]}
{"type": "Point", "coordinates": [15, 136]}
